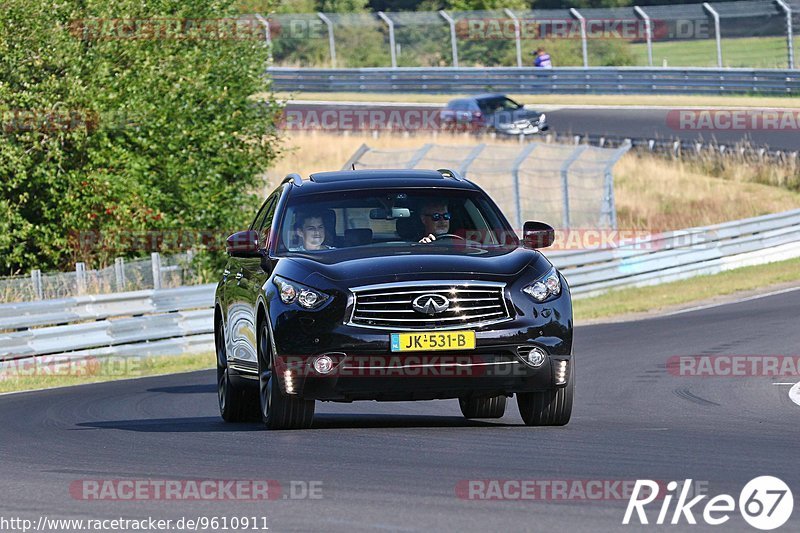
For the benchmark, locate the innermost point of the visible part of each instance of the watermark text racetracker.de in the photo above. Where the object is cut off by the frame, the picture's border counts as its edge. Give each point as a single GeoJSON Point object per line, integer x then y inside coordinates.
{"type": "Point", "coordinates": [167, 29]}
{"type": "Point", "coordinates": [556, 490]}
{"type": "Point", "coordinates": [734, 365]}
{"type": "Point", "coordinates": [181, 490]}
{"type": "Point", "coordinates": [787, 120]}
{"type": "Point", "coordinates": [65, 366]}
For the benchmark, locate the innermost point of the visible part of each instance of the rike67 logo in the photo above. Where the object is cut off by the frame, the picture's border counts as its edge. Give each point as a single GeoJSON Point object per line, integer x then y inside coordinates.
{"type": "Point", "coordinates": [765, 503]}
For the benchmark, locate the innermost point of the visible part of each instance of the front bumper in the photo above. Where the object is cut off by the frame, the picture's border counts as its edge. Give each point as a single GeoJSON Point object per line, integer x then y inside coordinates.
{"type": "Point", "coordinates": [366, 368]}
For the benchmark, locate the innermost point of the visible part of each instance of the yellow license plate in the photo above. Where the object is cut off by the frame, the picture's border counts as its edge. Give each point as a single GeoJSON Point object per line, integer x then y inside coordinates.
{"type": "Point", "coordinates": [433, 340]}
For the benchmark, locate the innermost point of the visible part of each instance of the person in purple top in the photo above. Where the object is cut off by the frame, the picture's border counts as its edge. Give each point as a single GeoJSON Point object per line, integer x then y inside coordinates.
{"type": "Point", "coordinates": [542, 59]}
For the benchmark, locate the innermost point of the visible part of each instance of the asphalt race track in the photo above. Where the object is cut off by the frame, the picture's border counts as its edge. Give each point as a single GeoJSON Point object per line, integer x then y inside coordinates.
{"type": "Point", "coordinates": [396, 466]}
{"type": "Point", "coordinates": [655, 123]}
{"type": "Point", "coordinates": [632, 122]}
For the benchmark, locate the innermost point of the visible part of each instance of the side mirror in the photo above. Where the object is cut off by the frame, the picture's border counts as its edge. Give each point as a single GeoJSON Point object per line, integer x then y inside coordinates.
{"type": "Point", "coordinates": [537, 235]}
{"type": "Point", "coordinates": [243, 244]}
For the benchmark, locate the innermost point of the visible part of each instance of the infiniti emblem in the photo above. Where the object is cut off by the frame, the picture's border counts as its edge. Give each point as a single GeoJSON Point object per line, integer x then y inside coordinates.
{"type": "Point", "coordinates": [430, 304]}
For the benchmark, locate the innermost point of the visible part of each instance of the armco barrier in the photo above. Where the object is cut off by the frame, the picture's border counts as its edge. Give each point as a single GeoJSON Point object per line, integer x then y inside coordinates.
{"type": "Point", "coordinates": [682, 254]}
{"type": "Point", "coordinates": [528, 80]}
{"type": "Point", "coordinates": [181, 320]}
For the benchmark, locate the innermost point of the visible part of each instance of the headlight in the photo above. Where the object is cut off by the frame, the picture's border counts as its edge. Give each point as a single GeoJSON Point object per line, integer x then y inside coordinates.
{"type": "Point", "coordinates": [542, 118]}
{"type": "Point", "coordinates": [306, 297]}
{"type": "Point", "coordinates": [545, 287]}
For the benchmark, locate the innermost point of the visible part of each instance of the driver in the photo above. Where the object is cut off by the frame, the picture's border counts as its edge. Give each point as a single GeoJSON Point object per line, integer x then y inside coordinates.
{"type": "Point", "coordinates": [436, 219]}
{"type": "Point", "coordinates": [310, 228]}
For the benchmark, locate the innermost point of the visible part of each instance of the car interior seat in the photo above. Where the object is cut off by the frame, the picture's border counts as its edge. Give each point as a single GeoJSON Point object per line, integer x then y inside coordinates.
{"type": "Point", "coordinates": [357, 236]}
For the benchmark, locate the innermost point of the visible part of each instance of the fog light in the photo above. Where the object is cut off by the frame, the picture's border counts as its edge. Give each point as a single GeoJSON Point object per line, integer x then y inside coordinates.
{"type": "Point", "coordinates": [561, 368]}
{"type": "Point", "coordinates": [323, 364]}
{"type": "Point", "coordinates": [288, 380]}
{"type": "Point", "coordinates": [532, 355]}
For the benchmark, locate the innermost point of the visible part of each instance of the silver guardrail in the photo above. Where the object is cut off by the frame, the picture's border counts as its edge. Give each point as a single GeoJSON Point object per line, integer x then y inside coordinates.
{"type": "Point", "coordinates": [681, 254]}
{"type": "Point", "coordinates": [567, 80]}
{"type": "Point", "coordinates": [141, 323]}
{"type": "Point", "coordinates": [169, 321]}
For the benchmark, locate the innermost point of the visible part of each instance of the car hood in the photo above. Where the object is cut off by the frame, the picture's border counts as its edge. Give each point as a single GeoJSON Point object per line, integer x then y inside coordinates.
{"type": "Point", "coordinates": [503, 117]}
{"type": "Point", "coordinates": [409, 267]}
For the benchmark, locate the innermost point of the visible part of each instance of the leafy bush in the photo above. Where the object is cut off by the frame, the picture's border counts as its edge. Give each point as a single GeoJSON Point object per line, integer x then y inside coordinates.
{"type": "Point", "coordinates": [103, 133]}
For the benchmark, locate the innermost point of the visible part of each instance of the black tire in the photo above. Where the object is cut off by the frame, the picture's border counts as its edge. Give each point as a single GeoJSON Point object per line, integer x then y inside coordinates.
{"type": "Point", "coordinates": [278, 411]}
{"type": "Point", "coordinates": [494, 407]}
{"type": "Point", "coordinates": [548, 408]}
{"type": "Point", "coordinates": [236, 403]}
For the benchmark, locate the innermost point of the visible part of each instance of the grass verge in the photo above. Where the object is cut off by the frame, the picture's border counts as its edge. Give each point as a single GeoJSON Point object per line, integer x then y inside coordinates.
{"type": "Point", "coordinates": [48, 372]}
{"type": "Point", "coordinates": [691, 291]}
{"type": "Point", "coordinates": [564, 99]}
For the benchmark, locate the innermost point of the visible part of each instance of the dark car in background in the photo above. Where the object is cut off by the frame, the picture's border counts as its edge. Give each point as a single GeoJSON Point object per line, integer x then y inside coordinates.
{"type": "Point", "coordinates": [390, 285]}
{"type": "Point", "coordinates": [492, 113]}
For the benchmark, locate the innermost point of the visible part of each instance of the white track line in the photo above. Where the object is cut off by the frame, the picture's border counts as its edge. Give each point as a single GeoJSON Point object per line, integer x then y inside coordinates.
{"type": "Point", "coordinates": [720, 304]}
{"type": "Point", "coordinates": [794, 393]}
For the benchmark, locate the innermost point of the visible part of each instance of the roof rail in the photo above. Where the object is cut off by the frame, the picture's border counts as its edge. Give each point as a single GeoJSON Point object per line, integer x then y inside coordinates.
{"type": "Point", "coordinates": [294, 178]}
{"type": "Point", "coordinates": [447, 173]}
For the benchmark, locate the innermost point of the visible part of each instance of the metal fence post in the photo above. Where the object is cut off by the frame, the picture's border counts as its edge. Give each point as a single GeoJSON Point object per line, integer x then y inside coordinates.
{"type": "Point", "coordinates": [453, 44]}
{"type": "Point", "coordinates": [267, 34]}
{"type": "Point", "coordinates": [36, 281]}
{"type": "Point", "coordinates": [789, 30]}
{"type": "Point", "coordinates": [715, 15]}
{"type": "Point", "coordinates": [119, 273]}
{"type": "Point", "coordinates": [565, 181]}
{"type": "Point", "coordinates": [155, 261]}
{"type": "Point", "coordinates": [393, 50]}
{"type": "Point", "coordinates": [517, 34]}
{"type": "Point", "coordinates": [363, 149]}
{"type": "Point", "coordinates": [579, 17]}
{"type": "Point", "coordinates": [470, 158]}
{"type": "Point", "coordinates": [648, 28]}
{"type": "Point", "coordinates": [80, 277]}
{"type": "Point", "coordinates": [523, 155]}
{"type": "Point", "coordinates": [417, 157]}
{"type": "Point", "coordinates": [331, 40]}
{"type": "Point", "coordinates": [609, 205]}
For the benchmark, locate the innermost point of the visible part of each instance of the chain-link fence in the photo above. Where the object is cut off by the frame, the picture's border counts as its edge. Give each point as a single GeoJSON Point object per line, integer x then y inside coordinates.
{"type": "Point", "coordinates": [158, 272]}
{"type": "Point", "coordinates": [564, 185]}
{"type": "Point", "coordinates": [745, 33]}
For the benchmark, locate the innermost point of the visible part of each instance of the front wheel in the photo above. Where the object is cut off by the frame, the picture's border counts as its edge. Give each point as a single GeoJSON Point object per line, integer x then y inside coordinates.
{"type": "Point", "coordinates": [278, 411]}
{"type": "Point", "coordinates": [235, 402]}
{"type": "Point", "coordinates": [494, 407]}
{"type": "Point", "coordinates": [548, 408]}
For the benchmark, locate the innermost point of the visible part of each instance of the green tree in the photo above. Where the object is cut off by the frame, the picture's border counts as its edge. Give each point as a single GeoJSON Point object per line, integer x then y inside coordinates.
{"type": "Point", "coordinates": [104, 133]}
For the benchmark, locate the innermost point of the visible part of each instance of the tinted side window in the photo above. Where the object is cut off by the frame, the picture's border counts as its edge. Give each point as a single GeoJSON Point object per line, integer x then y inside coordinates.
{"type": "Point", "coordinates": [259, 220]}
{"type": "Point", "coordinates": [266, 222]}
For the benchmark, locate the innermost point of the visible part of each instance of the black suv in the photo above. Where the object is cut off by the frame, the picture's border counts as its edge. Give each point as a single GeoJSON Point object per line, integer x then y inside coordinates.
{"type": "Point", "coordinates": [390, 285]}
{"type": "Point", "coordinates": [493, 113]}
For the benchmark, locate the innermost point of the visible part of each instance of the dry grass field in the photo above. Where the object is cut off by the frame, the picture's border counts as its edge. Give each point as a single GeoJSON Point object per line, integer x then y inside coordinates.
{"type": "Point", "coordinates": [651, 191]}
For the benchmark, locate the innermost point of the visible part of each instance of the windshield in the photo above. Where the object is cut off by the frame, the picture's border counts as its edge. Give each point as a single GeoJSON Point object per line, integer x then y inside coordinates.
{"type": "Point", "coordinates": [420, 220]}
{"type": "Point", "coordinates": [497, 104]}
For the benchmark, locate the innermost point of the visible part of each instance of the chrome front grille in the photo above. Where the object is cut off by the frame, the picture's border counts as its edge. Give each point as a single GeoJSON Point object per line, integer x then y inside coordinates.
{"type": "Point", "coordinates": [391, 306]}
